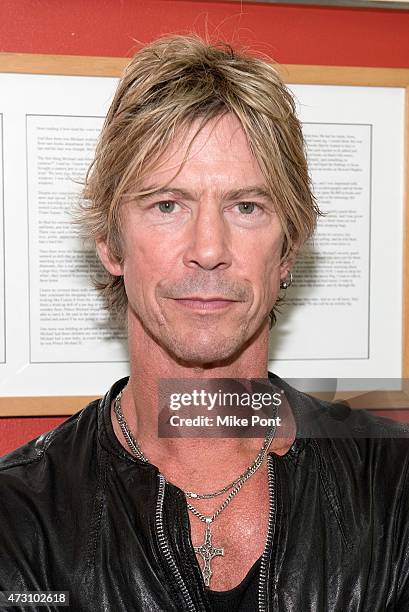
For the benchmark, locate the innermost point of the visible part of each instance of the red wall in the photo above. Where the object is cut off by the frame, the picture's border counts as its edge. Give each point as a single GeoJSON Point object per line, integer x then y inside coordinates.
{"type": "Point", "coordinates": [289, 34]}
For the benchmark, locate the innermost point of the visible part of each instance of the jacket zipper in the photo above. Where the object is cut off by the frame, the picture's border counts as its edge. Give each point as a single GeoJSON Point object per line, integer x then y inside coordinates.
{"type": "Point", "coordinates": [262, 584]}
{"type": "Point", "coordinates": [163, 545]}
{"type": "Point", "coordinates": [262, 592]}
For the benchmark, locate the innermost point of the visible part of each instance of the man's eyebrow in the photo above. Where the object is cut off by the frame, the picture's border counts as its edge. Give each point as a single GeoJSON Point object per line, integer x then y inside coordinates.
{"type": "Point", "coordinates": [247, 192]}
{"type": "Point", "coordinates": [233, 194]}
{"type": "Point", "coordinates": [152, 192]}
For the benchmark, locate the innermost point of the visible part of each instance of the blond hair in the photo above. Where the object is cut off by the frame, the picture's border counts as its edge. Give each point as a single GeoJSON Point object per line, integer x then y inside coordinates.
{"type": "Point", "coordinates": [166, 86]}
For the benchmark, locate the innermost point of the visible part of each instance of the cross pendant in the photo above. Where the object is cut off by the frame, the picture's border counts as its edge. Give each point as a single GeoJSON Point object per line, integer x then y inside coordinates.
{"type": "Point", "coordinates": [207, 552]}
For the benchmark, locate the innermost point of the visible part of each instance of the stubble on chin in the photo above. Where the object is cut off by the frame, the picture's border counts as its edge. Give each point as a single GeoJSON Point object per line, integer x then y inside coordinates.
{"type": "Point", "coordinates": [204, 347]}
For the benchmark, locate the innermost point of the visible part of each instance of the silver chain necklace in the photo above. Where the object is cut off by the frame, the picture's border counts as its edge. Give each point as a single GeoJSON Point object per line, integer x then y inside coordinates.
{"type": "Point", "coordinates": [206, 549]}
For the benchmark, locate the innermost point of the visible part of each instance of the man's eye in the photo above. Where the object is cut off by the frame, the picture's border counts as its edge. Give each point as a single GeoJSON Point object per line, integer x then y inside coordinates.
{"type": "Point", "coordinates": [167, 206]}
{"type": "Point", "coordinates": [247, 207]}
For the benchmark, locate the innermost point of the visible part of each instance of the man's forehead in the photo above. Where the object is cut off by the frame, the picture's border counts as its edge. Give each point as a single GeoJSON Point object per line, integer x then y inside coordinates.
{"type": "Point", "coordinates": [216, 154]}
{"type": "Point", "coordinates": [220, 136]}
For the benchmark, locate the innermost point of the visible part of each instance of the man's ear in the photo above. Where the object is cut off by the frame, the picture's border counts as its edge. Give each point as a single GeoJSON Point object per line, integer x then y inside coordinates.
{"type": "Point", "coordinates": [108, 261]}
{"type": "Point", "coordinates": [287, 264]}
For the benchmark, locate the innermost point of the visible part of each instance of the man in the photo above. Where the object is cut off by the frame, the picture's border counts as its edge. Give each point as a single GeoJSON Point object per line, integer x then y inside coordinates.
{"type": "Point", "coordinates": [198, 201]}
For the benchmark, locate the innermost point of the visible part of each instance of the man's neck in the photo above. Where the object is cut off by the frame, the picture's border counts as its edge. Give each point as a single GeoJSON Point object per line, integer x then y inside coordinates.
{"type": "Point", "coordinates": [188, 460]}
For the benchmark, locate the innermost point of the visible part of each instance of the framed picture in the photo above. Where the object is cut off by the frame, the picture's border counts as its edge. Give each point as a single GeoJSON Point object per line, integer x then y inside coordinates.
{"type": "Point", "coordinates": [348, 308]}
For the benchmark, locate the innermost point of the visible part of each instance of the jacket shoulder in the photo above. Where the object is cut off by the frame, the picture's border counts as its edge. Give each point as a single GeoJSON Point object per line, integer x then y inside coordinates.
{"type": "Point", "coordinates": [39, 486]}
{"type": "Point", "coordinates": [51, 442]}
{"type": "Point", "coordinates": [356, 446]}
{"type": "Point", "coordinates": [356, 437]}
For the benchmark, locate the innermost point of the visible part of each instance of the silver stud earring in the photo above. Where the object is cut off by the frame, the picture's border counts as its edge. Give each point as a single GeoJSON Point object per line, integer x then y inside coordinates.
{"type": "Point", "coordinates": [284, 284]}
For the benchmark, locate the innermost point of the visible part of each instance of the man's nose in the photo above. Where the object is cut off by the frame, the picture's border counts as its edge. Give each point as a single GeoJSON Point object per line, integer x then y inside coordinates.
{"type": "Point", "coordinates": [209, 241]}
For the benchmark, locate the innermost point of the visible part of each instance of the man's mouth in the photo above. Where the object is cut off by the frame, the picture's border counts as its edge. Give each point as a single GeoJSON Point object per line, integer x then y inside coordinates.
{"type": "Point", "coordinates": [205, 303]}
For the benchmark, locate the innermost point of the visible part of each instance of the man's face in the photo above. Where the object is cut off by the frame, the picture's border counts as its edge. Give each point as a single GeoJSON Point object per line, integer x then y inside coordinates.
{"type": "Point", "coordinates": [201, 256]}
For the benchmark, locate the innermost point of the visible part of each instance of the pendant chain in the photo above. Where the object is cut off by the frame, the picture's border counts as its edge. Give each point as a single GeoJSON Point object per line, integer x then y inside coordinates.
{"type": "Point", "coordinates": [206, 549]}
{"type": "Point", "coordinates": [235, 484]}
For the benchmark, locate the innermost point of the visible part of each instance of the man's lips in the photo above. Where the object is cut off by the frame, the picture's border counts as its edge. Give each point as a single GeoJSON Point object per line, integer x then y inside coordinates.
{"type": "Point", "coordinates": [207, 303]}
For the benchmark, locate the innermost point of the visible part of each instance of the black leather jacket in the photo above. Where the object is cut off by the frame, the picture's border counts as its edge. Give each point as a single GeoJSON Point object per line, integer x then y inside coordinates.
{"type": "Point", "coordinates": [79, 514]}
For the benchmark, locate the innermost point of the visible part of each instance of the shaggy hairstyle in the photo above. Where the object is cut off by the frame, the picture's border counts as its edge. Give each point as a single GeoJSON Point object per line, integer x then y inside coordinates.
{"type": "Point", "coordinates": [168, 85]}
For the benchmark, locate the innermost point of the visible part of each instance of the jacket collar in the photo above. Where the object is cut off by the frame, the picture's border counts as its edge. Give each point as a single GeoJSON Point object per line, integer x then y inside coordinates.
{"type": "Point", "coordinates": [301, 405]}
